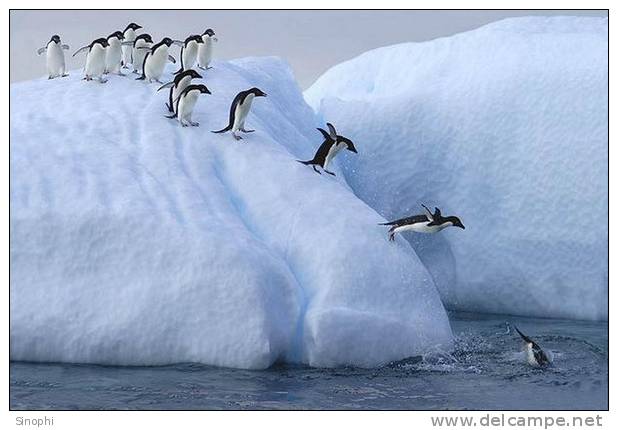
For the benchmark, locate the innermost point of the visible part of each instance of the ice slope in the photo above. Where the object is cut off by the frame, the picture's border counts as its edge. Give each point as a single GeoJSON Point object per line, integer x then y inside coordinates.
{"type": "Point", "coordinates": [506, 127]}
{"type": "Point", "coordinates": [135, 241]}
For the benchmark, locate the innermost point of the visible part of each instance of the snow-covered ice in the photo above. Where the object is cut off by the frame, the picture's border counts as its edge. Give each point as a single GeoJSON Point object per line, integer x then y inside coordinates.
{"type": "Point", "coordinates": [135, 241]}
{"type": "Point", "coordinates": [506, 127]}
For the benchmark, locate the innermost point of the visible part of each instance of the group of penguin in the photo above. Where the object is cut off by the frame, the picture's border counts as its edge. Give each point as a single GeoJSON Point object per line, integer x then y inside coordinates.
{"type": "Point", "coordinates": [121, 48]}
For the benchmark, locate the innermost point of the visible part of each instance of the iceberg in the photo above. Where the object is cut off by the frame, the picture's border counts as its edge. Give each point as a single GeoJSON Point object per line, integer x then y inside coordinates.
{"type": "Point", "coordinates": [134, 241]}
{"type": "Point", "coordinates": [506, 127]}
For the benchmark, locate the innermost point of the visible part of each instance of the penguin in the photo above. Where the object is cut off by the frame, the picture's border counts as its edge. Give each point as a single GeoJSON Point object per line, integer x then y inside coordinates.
{"type": "Point", "coordinates": [140, 47]}
{"type": "Point", "coordinates": [95, 60]}
{"type": "Point", "coordinates": [239, 111]}
{"type": "Point", "coordinates": [113, 54]}
{"type": "Point", "coordinates": [205, 50]}
{"type": "Point", "coordinates": [55, 57]}
{"type": "Point", "coordinates": [333, 143]}
{"type": "Point", "coordinates": [155, 59]}
{"type": "Point", "coordinates": [129, 36]}
{"type": "Point", "coordinates": [180, 82]}
{"type": "Point", "coordinates": [535, 356]}
{"type": "Point", "coordinates": [185, 102]}
{"type": "Point", "coordinates": [188, 52]}
{"type": "Point", "coordinates": [427, 223]}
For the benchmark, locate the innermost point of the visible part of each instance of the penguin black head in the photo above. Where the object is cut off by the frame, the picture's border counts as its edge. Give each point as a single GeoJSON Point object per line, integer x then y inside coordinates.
{"type": "Point", "coordinates": [209, 32]}
{"type": "Point", "coordinates": [102, 41]}
{"type": "Point", "coordinates": [167, 41]}
{"type": "Point", "coordinates": [257, 92]}
{"type": "Point", "coordinates": [146, 37]}
{"type": "Point", "coordinates": [455, 221]}
{"type": "Point", "coordinates": [203, 89]}
{"type": "Point", "coordinates": [192, 73]}
{"type": "Point", "coordinates": [194, 37]}
{"type": "Point", "coordinates": [133, 26]}
{"type": "Point", "coordinates": [349, 145]}
{"type": "Point", "coordinates": [117, 34]}
{"type": "Point", "coordinates": [55, 38]}
{"type": "Point", "coordinates": [337, 138]}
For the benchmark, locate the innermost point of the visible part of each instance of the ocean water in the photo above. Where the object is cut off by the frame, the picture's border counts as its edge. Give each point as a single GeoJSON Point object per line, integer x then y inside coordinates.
{"type": "Point", "coordinates": [485, 371]}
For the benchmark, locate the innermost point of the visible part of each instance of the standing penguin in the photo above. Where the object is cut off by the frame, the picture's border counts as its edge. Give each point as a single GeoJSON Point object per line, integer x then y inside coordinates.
{"type": "Point", "coordinates": [55, 57]}
{"type": "Point", "coordinates": [185, 102]}
{"type": "Point", "coordinates": [427, 223]}
{"type": "Point", "coordinates": [140, 46]}
{"type": "Point", "coordinates": [333, 143]}
{"type": "Point", "coordinates": [180, 82]}
{"type": "Point", "coordinates": [113, 54]}
{"type": "Point", "coordinates": [129, 36]}
{"type": "Point", "coordinates": [239, 111]}
{"type": "Point", "coordinates": [535, 356]}
{"type": "Point", "coordinates": [155, 60]}
{"type": "Point", "coordinates": [95, 60]}
{"type": "Point", "coordinates": [205, 50]}
{"type": "Point", "coordinates": [188, 52]}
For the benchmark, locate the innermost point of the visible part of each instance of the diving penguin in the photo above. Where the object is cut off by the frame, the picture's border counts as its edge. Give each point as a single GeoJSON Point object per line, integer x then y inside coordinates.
{"type": "Point", "coordinates": [535, 356]}
{"type": "Point", "coordinates": [55, 57]}
{"type": "Point", "coordinates": [333, 143]}
{"type": "Point", "coordinates": [427, 223]}
{"type": "Point", "coordinates": [239, 111]}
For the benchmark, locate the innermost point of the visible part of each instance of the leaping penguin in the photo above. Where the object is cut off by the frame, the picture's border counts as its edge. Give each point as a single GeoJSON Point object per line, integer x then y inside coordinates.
{"type": "Point", "coordinates": [535, 356]}
{"type": "Point", "coordinates": [185, 102]}
{"type": "Point", "coordinates": [95, 60]}
{"type": "Point", "coordinates": [205, 50]}
{"type": "Point", "coordinates": [333, 143]}
{"type": "Point", "coordinates": [239, 111]}
{"type": "Point", "coordinates": [188, 52]}
{"type": "Point", "coordinates": [129, 36]}
{"type": "Point", "coordinates": [55, 57]}
{"type": "Point", "coordinates": [427, 223]}
{"type": "Point", "coordinates": [113, 54]}
{"type": "Point", "coordinates": [155, 60]}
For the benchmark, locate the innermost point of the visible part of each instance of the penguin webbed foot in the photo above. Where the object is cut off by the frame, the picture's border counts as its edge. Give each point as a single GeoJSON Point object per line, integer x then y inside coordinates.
{"type": "Point", "coordinates": [316, 170]}
{"type": "Point", "coordinates": [194, 124]}
{"type": "Point", "coordinates": [65, 75]}
{"type": "Point", "coordinates": [237, 137]}
{"type": "Point", "coordinates": [246, 131]}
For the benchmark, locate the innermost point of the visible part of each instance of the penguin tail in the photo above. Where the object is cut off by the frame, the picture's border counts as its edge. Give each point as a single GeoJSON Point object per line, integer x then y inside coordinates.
{"type": "Point", "coordinates": [385, 223]}
{"type": "Point", "coordinates": [306, 163]}
{"type": "Point", "coordinates": [179, 71]}
{"type": "Point", "coordinates": [523, 336]}
{"type": "Point", "coordinates": [223, 130]}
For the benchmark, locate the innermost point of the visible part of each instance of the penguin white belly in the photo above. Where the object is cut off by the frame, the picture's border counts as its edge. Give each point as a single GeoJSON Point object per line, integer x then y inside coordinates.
{"type": "Point", "coordinates": [186, 105]}
{"type": "Point", "coordinates": [127, 50]}
{"type": "Point", "coordinates": [241, 112]}
{"type": "Point", "coordinates": [95, 61]}
{"type": "Point", "coordinates": [184, 83]}
{"type": "Point", "coordinates": [155, 63]}
{"type": "Point", "coordinates": [189, 55]}
{"type": "Point", "coordinates": [55, 60]}
{"type": "Point", "coordinates": [332, 152]}
{"type": "Point", "coordinates": [422, 227]}
{"type": "Point", "coordinates": [139, 54]}
{"type": "Point", "coordinates": [204, 52]}
{"type": "Point", "coordinates": [113, 56]}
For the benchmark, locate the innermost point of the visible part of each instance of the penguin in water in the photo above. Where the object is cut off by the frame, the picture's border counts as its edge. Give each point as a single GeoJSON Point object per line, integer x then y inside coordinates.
{"type": "Point", "coordinates": [427, 223]}
{"type": "Point", "coordinates": [55, 57]}
{"type": "Point", "coordinates": [140, 47]}
{"type": "Point", "coordinates": [113, 54]}
{"type": "Point", "coordinates": [535, 356]}
{"type": "Point", "coordinates": [155, 60]}
{"type": "Point", "coordinates": [185, 102]}
{"type": "Point", "coordinates": [180, 82]}
{"type": "Point", "coordinates": [188, 52]}
{"type": "Point", "coordinates": [129, 35]}
{"type": "Point", "coordinates": [333, 143]}
{"type": "Point", "coordinates": [239, 111]}
{"type": "Point", "coordinates": [95, 60]}
{"type": "Point", "coordinates": [205, 50]}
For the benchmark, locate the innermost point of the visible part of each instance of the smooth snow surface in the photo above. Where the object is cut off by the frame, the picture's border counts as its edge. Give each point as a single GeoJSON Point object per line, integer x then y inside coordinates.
{"type": "Point", "coordinates": [135, 241]}
{"type": "Point", "coordinates": [505, 127]}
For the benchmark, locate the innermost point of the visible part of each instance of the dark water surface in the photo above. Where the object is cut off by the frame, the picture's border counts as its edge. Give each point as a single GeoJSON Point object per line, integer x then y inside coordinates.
{"type": "Point", "coordinates": [485, 371]}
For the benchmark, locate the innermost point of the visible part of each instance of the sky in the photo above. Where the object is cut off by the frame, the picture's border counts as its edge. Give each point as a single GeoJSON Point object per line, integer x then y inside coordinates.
{"type": "Point", "coordinates": [311, 41]}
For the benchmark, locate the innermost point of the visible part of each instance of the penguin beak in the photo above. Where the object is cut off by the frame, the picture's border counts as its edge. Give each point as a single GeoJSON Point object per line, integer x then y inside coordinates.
{"type": "Point", "coordinates": [353, 149]}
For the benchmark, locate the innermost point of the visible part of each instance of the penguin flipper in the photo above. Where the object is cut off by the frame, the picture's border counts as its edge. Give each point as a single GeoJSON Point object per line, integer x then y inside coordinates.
{"type": "Point", "coordinates": [428, 213]}
{"type": "Point", "coordinates": [41, 50]}
{"type": "Point", "coordinates": [141, 78]}
{"type": "Point", "coordinates": [82, 49]}
{"type": "Point", "coordinates": [167, 85]}
{"type": "Point", "coordinates": [523, 336]}
{"type": "Point", "coordinates": [172, 59]}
